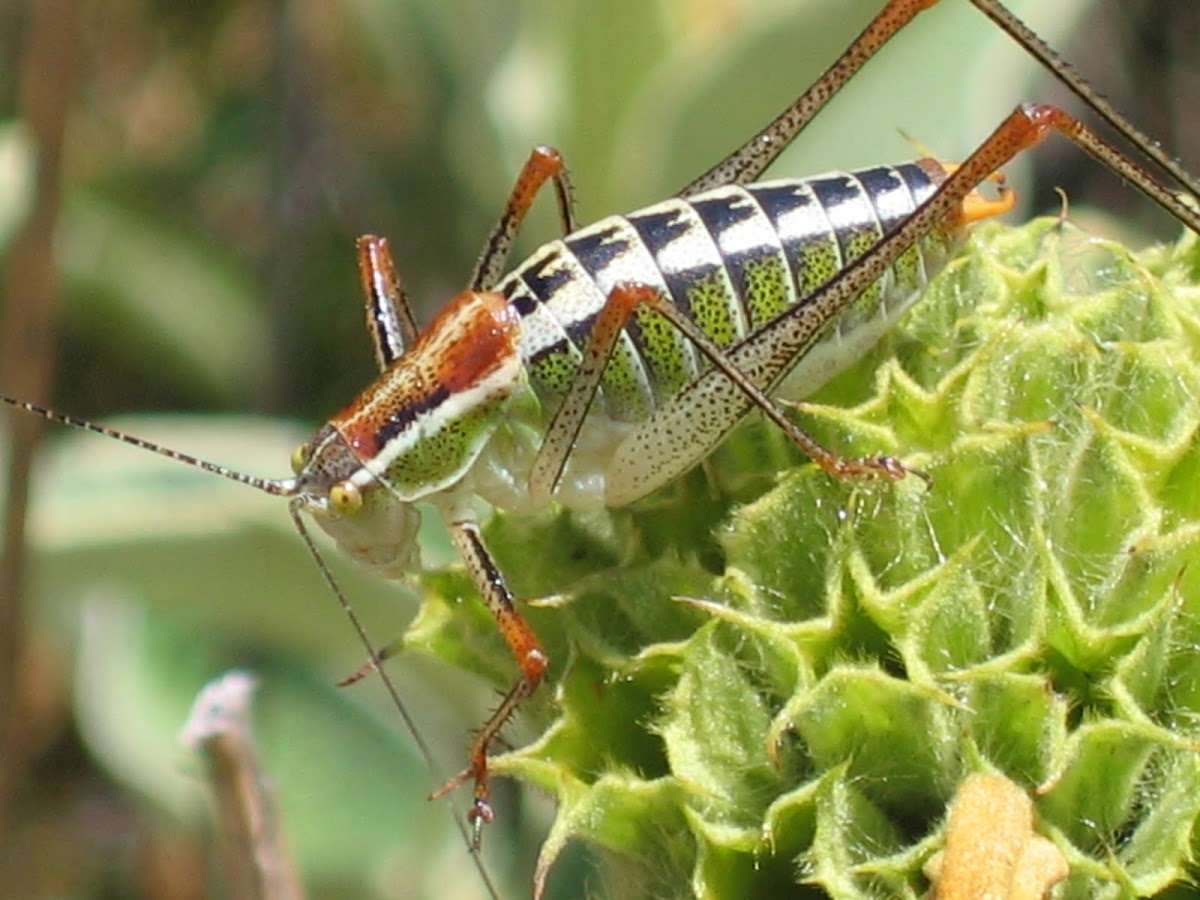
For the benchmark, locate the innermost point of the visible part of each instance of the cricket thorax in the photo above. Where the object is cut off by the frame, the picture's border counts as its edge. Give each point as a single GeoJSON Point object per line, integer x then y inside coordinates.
{"type": "Point", "coordinates": [421, 425]}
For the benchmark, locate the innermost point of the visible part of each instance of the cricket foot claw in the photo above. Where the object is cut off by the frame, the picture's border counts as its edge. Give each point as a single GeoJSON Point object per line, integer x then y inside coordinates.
{"type": "Point", "coordinates": [481, 812]}
{"type": "Point", "coordinates": [478, 815]}
{"type": "Point", "coordinates": [893, 470]}
{"type": "Point", "coordinates": [887, 467]}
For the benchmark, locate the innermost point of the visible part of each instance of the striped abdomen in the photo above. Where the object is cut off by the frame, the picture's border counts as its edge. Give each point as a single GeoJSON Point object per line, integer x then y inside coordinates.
{"type": "Point", "coordinates": [733, 258]}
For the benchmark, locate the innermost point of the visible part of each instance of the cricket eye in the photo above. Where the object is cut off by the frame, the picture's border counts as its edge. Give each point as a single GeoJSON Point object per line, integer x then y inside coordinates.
{"type": "Point", "coordinates": [300, 458]}
{"type": "Point", "coordinates": [345, 499]}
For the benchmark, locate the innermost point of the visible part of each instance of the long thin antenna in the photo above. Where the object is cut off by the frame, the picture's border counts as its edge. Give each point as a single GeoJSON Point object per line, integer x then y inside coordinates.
{"type": "Point", "coordinates": [279, 487]}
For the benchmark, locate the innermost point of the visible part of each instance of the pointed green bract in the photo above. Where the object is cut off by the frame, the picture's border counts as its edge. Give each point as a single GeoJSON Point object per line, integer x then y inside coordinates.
{"type": "Point", "coordinates": [764, 677]}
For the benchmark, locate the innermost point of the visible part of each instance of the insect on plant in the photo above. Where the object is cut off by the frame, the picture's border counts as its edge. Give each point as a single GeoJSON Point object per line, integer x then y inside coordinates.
{"type": "Point", "coordinates": [615, 359]}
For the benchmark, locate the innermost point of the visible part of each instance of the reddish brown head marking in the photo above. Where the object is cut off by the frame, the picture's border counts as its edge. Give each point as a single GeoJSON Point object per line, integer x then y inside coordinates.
{"type": "Point", "coordinates": [471, 338]}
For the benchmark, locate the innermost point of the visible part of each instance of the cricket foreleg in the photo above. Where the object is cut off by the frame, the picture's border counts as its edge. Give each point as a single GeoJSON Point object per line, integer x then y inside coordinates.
{"type": "Point", "coordinates": [390, 321]}
{"type": "Point", "coordinates": [526, 650]}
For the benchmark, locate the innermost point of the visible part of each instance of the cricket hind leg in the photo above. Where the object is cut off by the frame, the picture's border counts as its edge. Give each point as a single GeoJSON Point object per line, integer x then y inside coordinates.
{"type": "Point", "coordinates": [750, 160]}
{"type": "Point", "coordinates": [1062, 70]}
{"type": "Point", "coordinates": [675, 439]}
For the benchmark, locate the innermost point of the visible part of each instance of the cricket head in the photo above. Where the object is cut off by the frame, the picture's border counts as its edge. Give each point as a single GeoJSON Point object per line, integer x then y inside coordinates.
{"type": "Point", "coordinates": [367, 519]}
{"type": "Point", "coordinates": [413, 434]}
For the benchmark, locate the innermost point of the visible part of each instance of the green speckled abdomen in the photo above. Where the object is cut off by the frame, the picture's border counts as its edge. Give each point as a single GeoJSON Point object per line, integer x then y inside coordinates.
{"type": "Point", "coordinates": [733, 259]}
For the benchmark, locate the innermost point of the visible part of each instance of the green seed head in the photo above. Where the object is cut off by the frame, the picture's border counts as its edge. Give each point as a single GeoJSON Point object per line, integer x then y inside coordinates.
{"type": "Point", "coordinates": [762, 677]}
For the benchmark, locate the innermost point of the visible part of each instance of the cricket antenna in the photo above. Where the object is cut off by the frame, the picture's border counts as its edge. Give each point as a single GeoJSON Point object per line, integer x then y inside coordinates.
{"type": "Point", "coordinates": [279, 487]}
